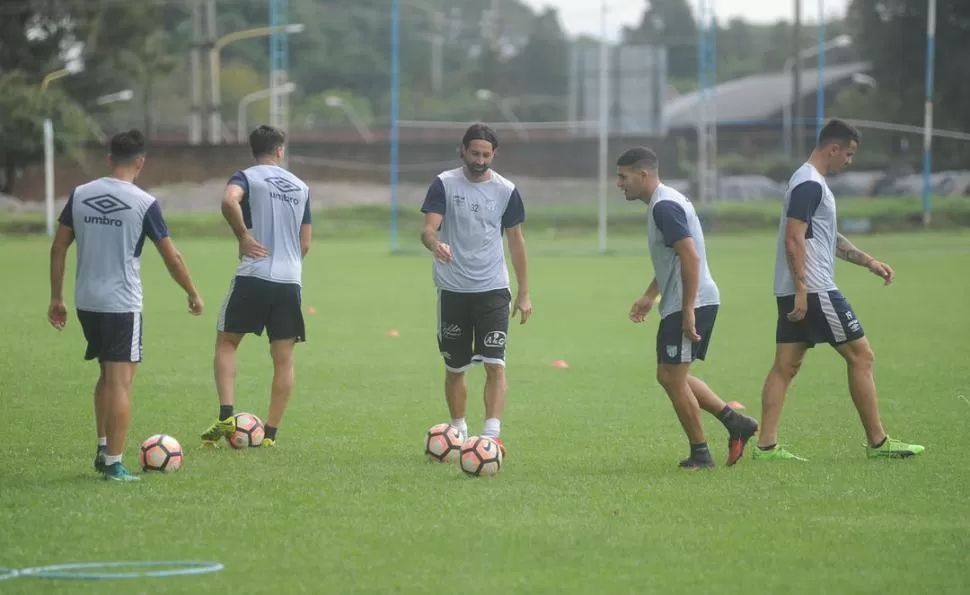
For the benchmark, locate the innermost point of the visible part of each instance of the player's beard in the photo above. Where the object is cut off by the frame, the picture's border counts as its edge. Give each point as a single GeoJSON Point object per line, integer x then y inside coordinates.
{"type": "Point", "coordinates": [476, 169]}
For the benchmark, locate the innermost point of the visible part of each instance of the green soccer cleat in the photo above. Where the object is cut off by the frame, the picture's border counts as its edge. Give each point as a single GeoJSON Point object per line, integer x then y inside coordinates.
{"type": "Point", "coordinates": [117, 472]}
{"type": "Point", "coordinates": [267, 443]}
{"type": "Point", "coordinates": [219, 430]}
{"type": "Point", "coordinates": [894, 449]}
{"type": "Point", "coordinates": [775, 454]}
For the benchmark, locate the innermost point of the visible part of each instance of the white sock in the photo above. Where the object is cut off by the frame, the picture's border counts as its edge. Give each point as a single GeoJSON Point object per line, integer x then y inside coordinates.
{"type": "Point", "coordinates": [111, 459]}
{"type": "Point", "coordinates": [103, 441]}
{"type": "Point", "coordinates": [459, 422]}
{"type": "Point", "coordinates": [493, 427]}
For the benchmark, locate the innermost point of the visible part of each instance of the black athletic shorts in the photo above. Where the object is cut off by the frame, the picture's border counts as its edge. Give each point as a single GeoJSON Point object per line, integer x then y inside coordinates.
{"type": "Point", "coordinates": [829, 319]}
{"type": "Point", "coordinates": [254, 304]}
{"type": "Point", "coordinates": [673, 347]}
{"type": "Point", "coordinates": [112, 336]}
{"type": "Point", "coordinates": [473, 327]}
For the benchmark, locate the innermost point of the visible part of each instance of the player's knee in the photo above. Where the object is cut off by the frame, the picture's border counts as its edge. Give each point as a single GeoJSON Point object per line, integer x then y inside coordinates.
{"type": "Point", "coordinates": [861, 357]}
{"type": "Point", "coordinates": [666, 376]}
{"type": "Point", "coordinates": [494, 370]}
{"type": "Point", "coordinates": [788, 369]}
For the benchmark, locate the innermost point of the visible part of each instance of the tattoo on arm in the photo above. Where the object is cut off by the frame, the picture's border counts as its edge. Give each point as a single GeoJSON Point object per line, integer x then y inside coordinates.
{"type": "Point", "coordinates": [849, 253]}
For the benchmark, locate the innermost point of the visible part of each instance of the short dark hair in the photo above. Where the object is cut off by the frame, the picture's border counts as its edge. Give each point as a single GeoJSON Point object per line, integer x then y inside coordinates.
{"type": "Point", "coordinates": [265, 140]}
{"type": "Point", "coordinates": [638, 158]}
{"type": "Point", "coordinates": [480, 131]}
{"type": "Point", "coordinates": [127, 146]}
{"type": "Point", "coordinates": [838, 131]}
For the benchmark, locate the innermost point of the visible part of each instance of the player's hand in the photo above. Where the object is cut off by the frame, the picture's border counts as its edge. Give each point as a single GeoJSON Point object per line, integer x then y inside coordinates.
{"type": "Point", "coordinates": [690, 330]}
{"type": "Point", "coordinates": [442, 252]}
{"type": "Point", "coordinates": [248, 246]}
{"type": "Point", "coordinates": [195, 305]}
{"type": "Point", "coordinates": [641, 307]}
{"type": "Point", "coordinates": [523, 306]}
{"type": "Point", "coordinates": [57, 314]}
{"type": "Point", "coordinates": [801, 307]}
{"type": "Point", "coordinates": [881, 269]}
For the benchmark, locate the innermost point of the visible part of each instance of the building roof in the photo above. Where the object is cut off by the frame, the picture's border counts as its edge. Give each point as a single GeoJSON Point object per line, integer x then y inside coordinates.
{"type": "Point", "coordinates": [757, 97]}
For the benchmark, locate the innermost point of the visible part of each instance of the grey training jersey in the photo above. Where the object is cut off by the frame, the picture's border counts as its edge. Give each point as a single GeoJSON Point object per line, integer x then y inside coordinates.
{"type": "Point", "coordinates": [275, 205]}
{"type": "Point", "coordinates": [111, 219]}
{"type": "Point", "coordinates": [671, 217]}
{"type": "Point", "coordinates": [808, 199]}
{"type": "Point", "coordinates": [475, 215]}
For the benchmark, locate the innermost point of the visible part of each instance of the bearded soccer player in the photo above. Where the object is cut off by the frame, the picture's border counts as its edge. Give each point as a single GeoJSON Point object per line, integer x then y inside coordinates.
{"type": "Point", "coordinates": [467, 210]}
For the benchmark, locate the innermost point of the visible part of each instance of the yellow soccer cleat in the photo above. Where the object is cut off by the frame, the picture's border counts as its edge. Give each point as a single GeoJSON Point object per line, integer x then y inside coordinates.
{"type": "Point", "coordinates": [219, 430]}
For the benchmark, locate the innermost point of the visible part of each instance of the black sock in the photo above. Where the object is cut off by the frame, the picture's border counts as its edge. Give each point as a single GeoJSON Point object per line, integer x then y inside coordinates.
{"type": "Point", "coordinates": [768, 447]}
{"type": "Point", "coordinates": [270, 432]}
{"type": "Point", "coordinates": [225, 411]}
{"type": "Point", "coordinates": [727, 416]}
{"type": "Point", "coordinates": [700, 451]}
{"type": "Point", "coordinates": [881, 443]}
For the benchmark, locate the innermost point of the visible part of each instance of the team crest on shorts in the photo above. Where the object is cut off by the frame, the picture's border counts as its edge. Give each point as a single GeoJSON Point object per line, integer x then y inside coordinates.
{"type": "Point", "coordinates": [672, 350]}
{"type": "Point", "coordinates": [495, 339]}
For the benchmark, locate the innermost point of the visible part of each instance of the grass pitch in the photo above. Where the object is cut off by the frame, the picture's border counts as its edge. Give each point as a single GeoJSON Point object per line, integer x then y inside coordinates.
{"type": "Point", "coordinates": [590, 499]}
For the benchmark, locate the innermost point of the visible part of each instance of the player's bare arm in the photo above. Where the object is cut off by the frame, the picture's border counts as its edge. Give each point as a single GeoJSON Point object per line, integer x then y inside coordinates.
{"type": "Point", "coordinates": [177, 269]}
{"type": "Point", "coordinates": [795, 230]}
{"type": "Point", "coordinates": [429, 237]}
{"type": "Point", "coordinates": [523, 304]}
{"type": "Point", "coordinates": [849, 253]}
{"type": "Point", "coordinates": [642, 307]}
{"type": "Point", "coordinates": [57, 311]}
{"type": "Point", "coordinates": [232, 212]}
{"type": "Point", "coordinates": [306, 235]}
{"type": "Point", "coordinates": [690, 279]}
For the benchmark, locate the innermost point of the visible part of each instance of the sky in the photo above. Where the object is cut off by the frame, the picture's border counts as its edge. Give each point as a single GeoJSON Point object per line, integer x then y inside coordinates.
{"type": "Point", "coordinates": [583, 16]}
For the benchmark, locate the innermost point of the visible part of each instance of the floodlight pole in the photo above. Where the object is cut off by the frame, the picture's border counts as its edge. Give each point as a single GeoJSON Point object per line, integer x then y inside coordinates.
{"type": "Point", "coordinates": [928, 111]}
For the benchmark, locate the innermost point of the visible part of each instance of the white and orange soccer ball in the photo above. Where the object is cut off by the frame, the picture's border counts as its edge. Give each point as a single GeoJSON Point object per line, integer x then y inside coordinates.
{"type": "Point", "coordinates": [481, 456]}
{"type": "Point", "coordinates": [249, 431]}
{"type": "Point", "coordinates": [442, 443]}
{"type": "Point", "coordinates": [160, 452]}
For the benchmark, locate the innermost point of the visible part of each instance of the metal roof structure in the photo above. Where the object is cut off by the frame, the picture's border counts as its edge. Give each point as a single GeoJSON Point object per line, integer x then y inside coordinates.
{"type": "Point", "coordinates": [755, 98]}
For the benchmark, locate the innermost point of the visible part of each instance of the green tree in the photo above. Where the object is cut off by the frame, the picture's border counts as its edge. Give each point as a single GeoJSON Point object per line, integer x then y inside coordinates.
{"type": "Point", "coordinates": [892, 35]}
{"type": "Point", "coordinates": [24, 107]}
{"type": "Point", "coordinates": [671, 23]}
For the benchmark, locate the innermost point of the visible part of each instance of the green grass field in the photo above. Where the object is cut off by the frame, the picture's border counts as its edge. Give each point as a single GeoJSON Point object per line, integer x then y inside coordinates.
{"type": "Point", "coordinates": [590, 499]}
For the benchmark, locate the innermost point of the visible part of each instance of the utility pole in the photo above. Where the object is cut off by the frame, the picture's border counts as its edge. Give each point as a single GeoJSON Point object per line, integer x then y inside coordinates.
{"type": "Point", "coordinates": [797, 139]}
{"type": "Point", "coordinates": [195, 75]}
{"type": "Point", "coordinates": [215, 129]}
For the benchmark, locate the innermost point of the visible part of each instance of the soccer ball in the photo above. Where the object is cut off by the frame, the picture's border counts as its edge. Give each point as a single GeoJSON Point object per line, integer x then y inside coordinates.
{"type": "Point", "coordinates": [480, 456]}
{"type": "Point", "coordinates": [249, 431]}
{"type": "Point", "coordinates": [160, 452]}
{"type": "Point", "coordinates": [442, 443]}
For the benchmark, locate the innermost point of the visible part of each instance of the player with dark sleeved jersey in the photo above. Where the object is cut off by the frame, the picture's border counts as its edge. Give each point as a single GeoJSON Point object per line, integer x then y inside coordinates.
{"type": "Point", "coordinates": [110, 218]}
{"type": "Point", "coordinates": [467, 210]}
{"type": "Point", "coordinates": [689, 300]}
{"type": "Point", "coordinates": [811, 309]}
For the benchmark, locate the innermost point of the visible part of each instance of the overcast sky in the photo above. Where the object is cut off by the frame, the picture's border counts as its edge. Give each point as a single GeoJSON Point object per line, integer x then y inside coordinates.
{"type": "Point", "coordinates": [583, 16]}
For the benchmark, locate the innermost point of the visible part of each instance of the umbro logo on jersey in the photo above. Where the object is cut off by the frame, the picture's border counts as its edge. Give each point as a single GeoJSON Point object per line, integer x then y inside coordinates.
{"type": "Point", "coordinates": [282, 184]}
{"type": "Point", "coordinates": [105, 204]}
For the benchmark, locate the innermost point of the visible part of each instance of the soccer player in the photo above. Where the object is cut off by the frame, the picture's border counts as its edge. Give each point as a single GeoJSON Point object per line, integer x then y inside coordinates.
{"type": "Point", "coordinates": [268, 209]}
{"type": "Point", "coordinates": [110, 218]}
{"type": "Point", "coordinates": [810, 307]}
{"type": "Point", "coordinates": [689, 300]}
{"type": "Point", "coordinates": [466, 211]}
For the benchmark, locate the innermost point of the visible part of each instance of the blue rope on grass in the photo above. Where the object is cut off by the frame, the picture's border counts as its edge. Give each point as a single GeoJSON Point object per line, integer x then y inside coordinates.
{"type": "Point", "coordinates": [82, 571]}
